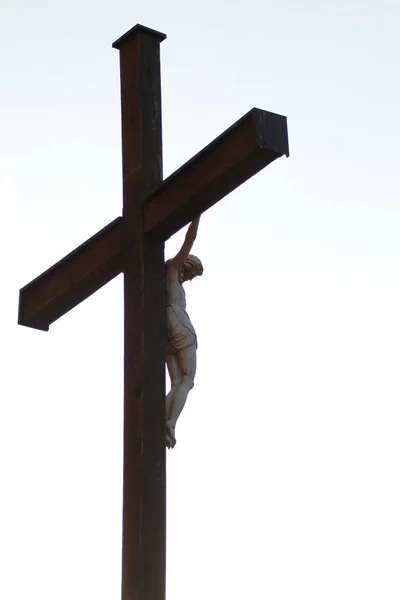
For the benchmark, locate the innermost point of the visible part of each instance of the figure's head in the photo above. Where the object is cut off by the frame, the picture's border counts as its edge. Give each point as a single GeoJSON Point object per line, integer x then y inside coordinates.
{"type": "Point", "coordinates": [191, 268]}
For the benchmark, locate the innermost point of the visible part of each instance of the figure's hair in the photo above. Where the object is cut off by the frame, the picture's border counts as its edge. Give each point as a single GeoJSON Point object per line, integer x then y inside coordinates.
{"type": "Point", "coordinates": [192, 263]}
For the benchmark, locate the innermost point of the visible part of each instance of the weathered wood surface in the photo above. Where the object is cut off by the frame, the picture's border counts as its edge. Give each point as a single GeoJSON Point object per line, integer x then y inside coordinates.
{"type": "Point", "coordinates": [252, 143]}
{"type": "Point", "coordinates": [73, 279]}
{"type": "Point", "coordinates": [152, 211]}
{"type": "Point", "coordinates": [240, 152]}
{"type": "Point", "coordinates": [143, 543]}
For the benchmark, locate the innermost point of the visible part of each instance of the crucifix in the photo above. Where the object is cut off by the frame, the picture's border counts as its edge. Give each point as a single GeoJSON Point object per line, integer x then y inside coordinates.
{"type": "Point", "coordinates": [153, 210]}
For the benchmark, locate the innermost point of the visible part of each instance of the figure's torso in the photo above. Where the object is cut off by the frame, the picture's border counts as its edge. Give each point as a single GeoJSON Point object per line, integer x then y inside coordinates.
{"type": "Point", "coordinates": [180, 330]}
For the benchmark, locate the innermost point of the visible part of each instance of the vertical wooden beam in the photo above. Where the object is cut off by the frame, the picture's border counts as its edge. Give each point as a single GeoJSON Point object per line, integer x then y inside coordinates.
{"type": "Point", "coordinates": [143, 545]}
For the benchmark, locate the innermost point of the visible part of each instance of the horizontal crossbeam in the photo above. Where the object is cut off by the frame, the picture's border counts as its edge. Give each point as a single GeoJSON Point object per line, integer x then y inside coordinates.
{"type": "Point", "coordinates": [251, 144]}
{"type": "Point", "coordinates": [73, 279]}
{"type": "Point", "coordinates": [248, 146]}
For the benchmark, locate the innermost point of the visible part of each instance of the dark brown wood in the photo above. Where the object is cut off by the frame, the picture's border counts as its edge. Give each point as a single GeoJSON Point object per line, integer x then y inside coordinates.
{"type": "Point", "coordinates": [143, 546]}
{"type": "Point", "coordinates": [248, 146]}
{"type": "Point", "coordinates": [152, 211]}
{"type": "Point", "coordinates": [73, 279]}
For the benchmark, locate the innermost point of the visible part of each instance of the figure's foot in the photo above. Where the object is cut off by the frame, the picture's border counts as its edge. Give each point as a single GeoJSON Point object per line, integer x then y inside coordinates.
{"type": "Point", "coordinates": [168, 441]}
{"type": "Point", "coordinates": [170, 435]}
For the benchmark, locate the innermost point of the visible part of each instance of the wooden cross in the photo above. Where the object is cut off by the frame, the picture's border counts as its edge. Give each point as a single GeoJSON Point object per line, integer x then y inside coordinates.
{"type": "Point", "coordinates": [153, 210]}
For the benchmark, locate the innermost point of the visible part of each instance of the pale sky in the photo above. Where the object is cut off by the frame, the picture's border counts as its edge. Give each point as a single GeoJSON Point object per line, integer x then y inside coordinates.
{"type": "Point", "coordinates": [284, 484]}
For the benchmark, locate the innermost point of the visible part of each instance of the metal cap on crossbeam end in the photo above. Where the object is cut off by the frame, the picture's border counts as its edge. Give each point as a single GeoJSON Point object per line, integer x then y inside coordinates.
{"type": "Point", "coordinates": [271, 130]}
{"type": "Point", "coordinates": [136, 30]}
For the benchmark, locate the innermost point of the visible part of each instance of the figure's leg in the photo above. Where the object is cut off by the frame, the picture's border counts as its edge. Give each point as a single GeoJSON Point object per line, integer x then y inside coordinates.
{"type": "Point", "coordinates": [175, 376]}
{"type": "Point", "coordinates": [187, 367]}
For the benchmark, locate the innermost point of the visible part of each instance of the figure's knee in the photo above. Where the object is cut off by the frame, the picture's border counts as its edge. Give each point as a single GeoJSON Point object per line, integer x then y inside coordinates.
{"type": "Point", "coordinates": [188, 380]}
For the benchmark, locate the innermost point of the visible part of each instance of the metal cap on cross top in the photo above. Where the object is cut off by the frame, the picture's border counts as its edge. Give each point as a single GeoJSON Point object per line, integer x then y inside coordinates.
{"type": "Point", "coordinates": [138, 29]}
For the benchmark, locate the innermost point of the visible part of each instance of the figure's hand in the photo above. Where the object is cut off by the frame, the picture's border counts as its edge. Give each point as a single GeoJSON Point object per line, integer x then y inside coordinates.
{"type": "Point", "coordinates": [191, 235]}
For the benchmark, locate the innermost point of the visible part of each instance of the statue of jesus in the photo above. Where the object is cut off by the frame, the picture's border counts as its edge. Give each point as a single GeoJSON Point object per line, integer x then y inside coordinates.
{"type": "Point", "coordinates": [181, 335]}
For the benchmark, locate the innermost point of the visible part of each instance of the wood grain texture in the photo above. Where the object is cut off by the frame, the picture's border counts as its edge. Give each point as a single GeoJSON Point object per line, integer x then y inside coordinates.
{"type": "Point", "coordinates": [143, 546]}
{"type": "Point", "coordinates": [73, 279]}
{"type": "Point", "coordinates": [152, 211]}
{"type": "Point", "coordinates": [256, 140]}
{"type": "Point", "coordinates": [252, 143]}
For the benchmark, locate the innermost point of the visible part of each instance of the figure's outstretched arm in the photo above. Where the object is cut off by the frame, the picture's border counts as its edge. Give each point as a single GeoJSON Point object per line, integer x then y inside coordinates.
{"type": "Point", "coordinates": [187, 244]}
